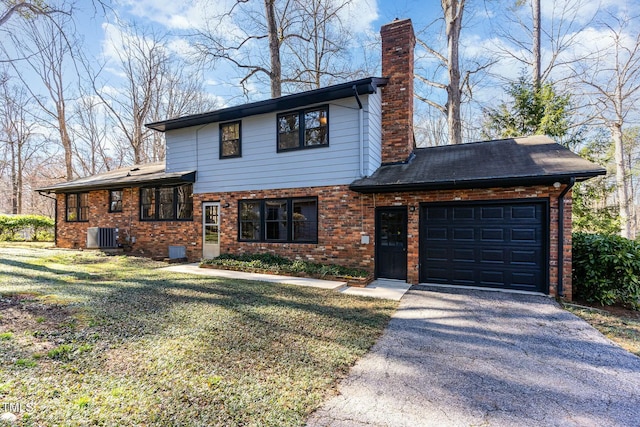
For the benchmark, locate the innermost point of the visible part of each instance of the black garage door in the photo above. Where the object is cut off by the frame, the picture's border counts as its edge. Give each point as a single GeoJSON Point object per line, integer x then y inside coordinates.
{"type": "Point", "coordinates": [498, 245]}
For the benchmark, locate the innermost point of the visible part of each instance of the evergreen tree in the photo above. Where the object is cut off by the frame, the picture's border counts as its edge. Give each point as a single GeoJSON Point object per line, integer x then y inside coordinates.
{"type": "Point", "coordinates": [531, 111]}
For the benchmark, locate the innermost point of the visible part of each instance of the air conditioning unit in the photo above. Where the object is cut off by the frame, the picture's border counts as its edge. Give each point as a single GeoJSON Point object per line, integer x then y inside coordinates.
{"type": "Point", "coordinates": [102, 238]}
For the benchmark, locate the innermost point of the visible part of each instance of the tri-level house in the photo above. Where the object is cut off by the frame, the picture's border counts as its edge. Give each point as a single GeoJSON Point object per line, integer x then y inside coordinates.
{"type": "Point", "coordinates": [333, 175]}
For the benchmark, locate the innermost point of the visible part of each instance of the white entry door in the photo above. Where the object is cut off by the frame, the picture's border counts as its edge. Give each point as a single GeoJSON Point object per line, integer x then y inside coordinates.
{"type": "Point", "coordinates": [210, 230]}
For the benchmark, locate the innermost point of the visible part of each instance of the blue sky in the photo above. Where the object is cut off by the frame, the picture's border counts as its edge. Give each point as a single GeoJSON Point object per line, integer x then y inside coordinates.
{"type": "Point", "coordinates": [180, 16]}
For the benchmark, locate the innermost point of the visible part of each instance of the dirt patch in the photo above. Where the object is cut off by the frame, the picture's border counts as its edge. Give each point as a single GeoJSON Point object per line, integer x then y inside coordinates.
{"type": "Point", "coordinates": [616, 310]}
{"type": "Point", "coordinates": [34, 323]}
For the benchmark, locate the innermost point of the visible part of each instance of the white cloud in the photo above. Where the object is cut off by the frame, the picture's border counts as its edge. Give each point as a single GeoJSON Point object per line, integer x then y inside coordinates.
{"type": "Point", "coordinates": [176, 14]}
{"type": "Point", "coordinates": [359, 15]}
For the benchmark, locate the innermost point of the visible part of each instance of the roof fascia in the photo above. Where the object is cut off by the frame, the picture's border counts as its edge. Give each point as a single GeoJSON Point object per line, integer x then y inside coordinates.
{"type": "Point", "coordinates": [476, 183]}
{"type": "Point", "coordinates": [330, 93]}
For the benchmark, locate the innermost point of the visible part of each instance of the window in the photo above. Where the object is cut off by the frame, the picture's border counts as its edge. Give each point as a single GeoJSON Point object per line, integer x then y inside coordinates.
{"type": "Point", "coordinates": [78, 207]}
{"type": "Point", "coordinates": [279, 220]}
{"type": "Point", "coordinates": [115, 201]}
{"type": "Point", "coordinates": [167, 203]}
{"type": "Point", "coordinates": [230, 140]}
{"type": "Point", "coordinates": [250, 226]}
{"type": "Point", "coordinates": [303, 129]}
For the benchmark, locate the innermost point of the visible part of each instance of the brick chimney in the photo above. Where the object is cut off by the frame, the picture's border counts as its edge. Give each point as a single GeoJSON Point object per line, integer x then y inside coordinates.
{"type": "Point", "coordinates": [398, 42]}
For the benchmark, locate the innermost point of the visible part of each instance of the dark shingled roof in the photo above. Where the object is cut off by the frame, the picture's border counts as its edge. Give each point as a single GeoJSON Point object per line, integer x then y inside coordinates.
{"type": "Point", "coordinates": [368, 85]}
{"type": "Point", "coordinates": [132, 176]}
{"type": "Point", "coordinates": [499, 163]}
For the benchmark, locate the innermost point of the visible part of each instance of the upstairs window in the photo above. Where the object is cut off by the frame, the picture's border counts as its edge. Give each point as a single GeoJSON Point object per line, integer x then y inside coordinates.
{"type": "Point", "coordinates": [303, 129]}
{"type": "Point", "coordinates": [78, 207]}
{"type": "Point", "coordinates": [166, 203]}
{"type": "Point", "coordinates": [230, 140]}
{"type": "Point", "coordinates": [279, 220]}
{"type": "Point", "coordinates": [115, 201]}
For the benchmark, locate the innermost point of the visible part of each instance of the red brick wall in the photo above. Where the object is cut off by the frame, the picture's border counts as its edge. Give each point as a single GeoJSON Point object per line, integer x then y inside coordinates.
{"type": "Point", "coordinates": [398, 42]}
{"type": "Point", "coordinates": [343, 218]}
{"type": "Point", "coordinates": [152, 238]}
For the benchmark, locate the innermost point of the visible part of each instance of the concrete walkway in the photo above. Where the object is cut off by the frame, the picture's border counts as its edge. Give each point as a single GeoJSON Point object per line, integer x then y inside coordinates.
{"type": "Point", "coordinates": [453, 357]}
{"type": "Point", "coordinates": [383, 288]}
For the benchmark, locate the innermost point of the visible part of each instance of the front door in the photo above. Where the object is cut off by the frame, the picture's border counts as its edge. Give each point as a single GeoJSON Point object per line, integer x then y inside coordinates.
{"type": "Point", "coordinates": [210, 230]}
{"type": "Point", "coordinates": [391, 243]}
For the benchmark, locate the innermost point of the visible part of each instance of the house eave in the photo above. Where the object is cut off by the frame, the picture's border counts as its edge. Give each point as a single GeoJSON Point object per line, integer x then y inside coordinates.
{"type": "Point", "coordinates": [498, 182]}
{"type": "Point", "coordinates": [161, 180]}
{"type": "Point", "coordinates": [288, 102]}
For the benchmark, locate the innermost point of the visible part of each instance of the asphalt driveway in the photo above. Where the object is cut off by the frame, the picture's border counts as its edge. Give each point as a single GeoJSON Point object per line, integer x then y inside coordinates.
{"type": "Point", "coordinates": [481, 358]}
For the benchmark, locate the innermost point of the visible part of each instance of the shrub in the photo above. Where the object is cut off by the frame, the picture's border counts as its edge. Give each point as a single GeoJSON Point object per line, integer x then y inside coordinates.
{"type": "Point", "coordinates": [278, 264]}
{"type": "Point", "coordinates": [606, 269]}
{"type": "Point", "coordinates": [38, 227]}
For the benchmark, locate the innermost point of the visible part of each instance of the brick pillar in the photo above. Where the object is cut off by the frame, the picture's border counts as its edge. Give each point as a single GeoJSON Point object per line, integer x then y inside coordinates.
{"type": "Point", "coordinates": [398, 42]}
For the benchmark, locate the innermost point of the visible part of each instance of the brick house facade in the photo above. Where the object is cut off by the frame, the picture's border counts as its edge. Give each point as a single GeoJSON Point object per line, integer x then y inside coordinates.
{"type": "Point", "coordinates": [370, 174]}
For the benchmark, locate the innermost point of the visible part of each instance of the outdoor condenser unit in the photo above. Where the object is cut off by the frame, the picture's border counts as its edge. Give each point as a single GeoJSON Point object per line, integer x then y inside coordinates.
{"type": "Point", "coordinates": [102, 238]}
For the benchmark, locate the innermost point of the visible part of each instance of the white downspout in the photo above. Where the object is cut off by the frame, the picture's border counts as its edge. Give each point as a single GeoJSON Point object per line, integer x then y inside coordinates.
{"type": "Point", "coordinates": [360, 131]}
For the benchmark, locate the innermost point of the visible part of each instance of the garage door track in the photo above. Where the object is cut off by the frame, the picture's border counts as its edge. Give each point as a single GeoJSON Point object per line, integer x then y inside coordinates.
{"type": "Point", "coordinates": [479, 358]}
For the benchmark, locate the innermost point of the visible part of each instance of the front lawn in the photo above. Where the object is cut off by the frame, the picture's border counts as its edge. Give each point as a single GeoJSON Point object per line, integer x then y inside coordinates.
{"type": "Point", "coordinates": [90, 339]}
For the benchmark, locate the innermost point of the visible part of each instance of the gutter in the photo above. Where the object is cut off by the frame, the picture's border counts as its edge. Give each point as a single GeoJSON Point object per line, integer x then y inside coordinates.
{"type": "Point", "coordinates": [569, 186]}
{"type": "Point", "coordinates": [370, 186]}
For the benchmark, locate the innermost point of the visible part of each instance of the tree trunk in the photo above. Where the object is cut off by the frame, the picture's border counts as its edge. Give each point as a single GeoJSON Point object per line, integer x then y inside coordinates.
{"type": "Point", "coordinates": [621, 182]}
{"type": "Point", "coordinates": [453, 10]}
{"type": "Point", "coordinates": [19, 183]}
{"type": "Point", "coordinates": [535, 6]}
{"type": "Point", "coordinates": [14, 179]}
{"type": "Point", "coordinates": [65, 139]}
{"type": "Point", "coordinates": [274, 49]}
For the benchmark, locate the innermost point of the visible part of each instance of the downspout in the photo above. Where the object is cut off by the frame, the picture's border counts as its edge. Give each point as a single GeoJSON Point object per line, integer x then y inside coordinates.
{"type": "Point", "coordinates": [569, 186]}
{"type": "Point", "coordinates": [360, 130]}
{"type": "Point", "coordinates": [55, 216]}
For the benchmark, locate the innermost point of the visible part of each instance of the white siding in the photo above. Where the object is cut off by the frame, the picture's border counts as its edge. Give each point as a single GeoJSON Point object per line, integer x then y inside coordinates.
{"type": "Point", "coordinates": [261, 167]}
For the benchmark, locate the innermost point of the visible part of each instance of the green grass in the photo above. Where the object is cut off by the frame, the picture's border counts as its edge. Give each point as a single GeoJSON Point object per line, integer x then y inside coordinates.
{"type": "Point", "coordinates": [127, 344]}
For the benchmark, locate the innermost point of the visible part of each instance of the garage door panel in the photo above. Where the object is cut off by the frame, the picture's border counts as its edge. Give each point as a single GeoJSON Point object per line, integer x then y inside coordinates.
{"type": "Point", "coordinates": [434, 253]}
{"type": "Point", "coordinates": [437, 275]}
{"type": "Point", "coordinates": [463, 213]}
{"type": "Point", "coordinates": [491, 213]}
{"type": "Point", "coordinates": [437, 233]}
{"type": "Point", "coordinates": [464, 276]}
{"type": "Point", "coordinates": [493, 278]}
{"type": "Point", "coordinates": [524, 212]}
{"type": "Point", "coordinates": [437, 213]}
{"type": "Point", "coordinates": [525, 235]}
{"type": "Point", "coordinates": [492, 234]}
{"type": "Point", "coordinates": [464, 255]}
{"type": "Point", "coordinates": [499, 244]}
{"type": "Point", "coordinates": [466, 233]}
{"type": "Point", "coordinates": [525, 257]}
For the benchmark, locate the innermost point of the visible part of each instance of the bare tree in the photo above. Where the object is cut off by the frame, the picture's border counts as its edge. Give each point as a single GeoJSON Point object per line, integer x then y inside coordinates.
{"type": "Point", "coordinates": [302, 38]}
{"type": "Point", "coordinates": [142, 59]}
{"type": "Point", "coordinates": [25, 9]}
{"type": "Point", "coordinates": [91, 140]}
{"type": "Point", "coordinates": [536, 42]}
{"type": "Point", "coordinates": [611, 78]}
{"type": "Point", "coordinates": [18, 138]}
{"type": "Point", "coordinates": [49, 54]}
{"type": "Point", "coordinates": [317, 57]}
{"type": "Point", "coordinates": [542, 47]}
{"type": "Point", "coordinates": [156, 86]}
{"type": "Point", "coordinates": [459, 85]}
